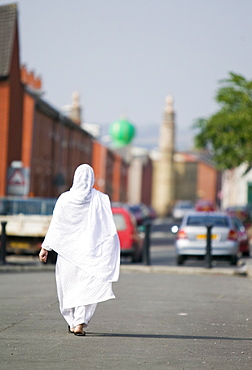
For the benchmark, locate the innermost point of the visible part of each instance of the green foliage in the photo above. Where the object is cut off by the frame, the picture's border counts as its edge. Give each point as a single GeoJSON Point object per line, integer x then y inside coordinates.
{"type": "Point", "coordinates": [228, 133]}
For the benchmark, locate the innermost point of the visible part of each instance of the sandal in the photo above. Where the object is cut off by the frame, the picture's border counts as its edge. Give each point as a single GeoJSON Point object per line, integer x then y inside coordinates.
{"type": "Point", "coordinates": [78, 330]}
{"type": "Point", "coordinates": [80, 333]}
{"type": "Point", "coordinates": [70, 331]}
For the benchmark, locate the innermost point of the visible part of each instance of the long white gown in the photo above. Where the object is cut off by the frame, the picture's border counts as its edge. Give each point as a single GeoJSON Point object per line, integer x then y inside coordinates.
{"type": "Point", "coordinates": [83, 233]}
{"type": "Point", "coordinates": [75, 289]}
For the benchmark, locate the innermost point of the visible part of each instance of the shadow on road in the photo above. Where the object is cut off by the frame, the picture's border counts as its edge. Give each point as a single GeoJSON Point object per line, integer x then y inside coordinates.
{"type": "Point", "coordinates": [163, 336]}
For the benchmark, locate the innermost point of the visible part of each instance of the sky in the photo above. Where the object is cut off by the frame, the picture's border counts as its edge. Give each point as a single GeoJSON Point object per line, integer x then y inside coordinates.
{"type": "Point", "coordinates": [125, 56]}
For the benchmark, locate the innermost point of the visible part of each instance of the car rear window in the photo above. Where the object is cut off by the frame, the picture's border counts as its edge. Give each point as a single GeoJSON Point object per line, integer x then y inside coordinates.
{"type": "Point", "coordinates": [119, 221]}
{"type": "Point", "coordinates": [220, 221]}
{"type": "Point", "coordinates": [184, 204]}
{"type": "Point", "coordinates": [237, 223]}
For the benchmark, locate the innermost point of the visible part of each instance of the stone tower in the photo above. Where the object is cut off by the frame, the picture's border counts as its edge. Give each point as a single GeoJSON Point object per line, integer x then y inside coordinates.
{"type": "Point", "coordinates": [163, 177]}
{"type": "Point", "coordinates": [75, 108]}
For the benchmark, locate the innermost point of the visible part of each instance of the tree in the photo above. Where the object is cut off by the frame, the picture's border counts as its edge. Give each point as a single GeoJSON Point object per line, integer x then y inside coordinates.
{"type": "Point", "coordinates": [227, 134]}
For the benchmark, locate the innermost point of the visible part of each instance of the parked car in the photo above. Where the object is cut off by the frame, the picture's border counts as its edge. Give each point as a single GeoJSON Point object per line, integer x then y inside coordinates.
{"type": "Point", "coordinates": [243, 237]}
{"type": "Point", "coordinates": [131, 240]}
{"type": "Point", "coordinates": [204, 205]}
{"type": "Point", "coordinates": [181, 208]}
{"type": "Point", "coordinates": [191, 237]}
{"type": "Point", "coordinates": [140, 211]}
{"type": "Point", "coordinates": [27, 222]}
{"type": "Point", "coordinates": [241, 212]}
{"type": "Point", "coordinates": [152, 214]}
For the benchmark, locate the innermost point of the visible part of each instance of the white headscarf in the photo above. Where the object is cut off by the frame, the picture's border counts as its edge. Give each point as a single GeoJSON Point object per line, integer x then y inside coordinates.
{"type": "Point", "coordinates": [83, 183]}
{"type": "Point", "coordinates": [82, 229]}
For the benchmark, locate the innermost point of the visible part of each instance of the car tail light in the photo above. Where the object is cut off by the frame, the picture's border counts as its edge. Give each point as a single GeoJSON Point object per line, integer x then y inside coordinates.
{"type": "Point", "coordinates": [181, 234]}
{"type": "Point", "coordinates": [232, 235]}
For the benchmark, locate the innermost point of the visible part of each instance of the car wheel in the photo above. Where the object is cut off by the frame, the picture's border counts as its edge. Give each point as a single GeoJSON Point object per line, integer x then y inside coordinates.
{"type": "Point", "coordinates": [233, 260]}
{"type": "Point", "coordinates": [180, 259]}
{"type": "Point", "coordinates": [245, 254]}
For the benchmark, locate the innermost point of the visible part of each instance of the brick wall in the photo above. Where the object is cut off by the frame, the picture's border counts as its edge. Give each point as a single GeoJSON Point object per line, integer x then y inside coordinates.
{"type": "Point", "coordinates": [116, 178]}
{"type": "Point", "coordinates": [11, 107]}
{"type": "Point", "coordinates": [124, 174]}
{"type": "Point", "coordinates": [58, 148]}
{"type": "Point", "coordinates": [206, 182]}
{"type": "Point", "coordinates": [98, 164]}
{"type": "Point", "coordinates": [14, 148]}
{"type": "Point", "coordinates": [4, 120]}
{"type": "Point", "coordinates": [146, 190]}
{"type": "Point", "coordinates": [28, 115]}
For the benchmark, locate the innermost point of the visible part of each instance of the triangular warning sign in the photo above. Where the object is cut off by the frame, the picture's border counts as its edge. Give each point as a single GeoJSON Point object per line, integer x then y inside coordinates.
{"type": "Point", "coordinates": [16, 178]}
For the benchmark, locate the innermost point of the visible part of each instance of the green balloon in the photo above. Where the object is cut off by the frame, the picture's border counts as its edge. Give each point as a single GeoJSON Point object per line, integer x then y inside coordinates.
{"type": "Point", "coordinates": [122, 132]}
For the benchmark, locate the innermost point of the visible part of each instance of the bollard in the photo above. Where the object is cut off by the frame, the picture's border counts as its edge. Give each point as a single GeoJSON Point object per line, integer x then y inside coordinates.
{"type": "Point", "coordinates": [3, 244]}
{"type": "Point", "coordinates": [146, 250]}
{"type": "Point", "coordinates": [209, 246]}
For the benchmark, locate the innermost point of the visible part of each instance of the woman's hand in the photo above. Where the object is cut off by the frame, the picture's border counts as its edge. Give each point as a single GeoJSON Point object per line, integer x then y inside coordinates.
{"type": "Point", "coordinates": [43, 255]}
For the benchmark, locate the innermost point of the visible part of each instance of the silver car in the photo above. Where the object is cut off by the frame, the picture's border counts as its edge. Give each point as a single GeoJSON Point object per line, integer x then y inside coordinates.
{"type": "Point", "coordinates": [191, 238]}
{"type": "Point", "coordinates": [181, 208]}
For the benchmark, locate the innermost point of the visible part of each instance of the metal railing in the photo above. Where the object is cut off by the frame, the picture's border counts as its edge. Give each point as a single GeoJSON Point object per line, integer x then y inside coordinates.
{"type": "Point", "coordinates": [30, 206]}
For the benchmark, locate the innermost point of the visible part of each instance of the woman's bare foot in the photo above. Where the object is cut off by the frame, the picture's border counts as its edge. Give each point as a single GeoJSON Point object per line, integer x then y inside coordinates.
{"type": "Point", "coordinates": [78, 330]}
{"type": "Point", "coordinates": [70, 330]}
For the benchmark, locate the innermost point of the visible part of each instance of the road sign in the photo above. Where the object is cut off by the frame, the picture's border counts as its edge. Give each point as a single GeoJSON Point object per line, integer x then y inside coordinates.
{"type": "Point", "coordinates": [18, 181]}
{"type": "Point", "coordinates": [17, 177]}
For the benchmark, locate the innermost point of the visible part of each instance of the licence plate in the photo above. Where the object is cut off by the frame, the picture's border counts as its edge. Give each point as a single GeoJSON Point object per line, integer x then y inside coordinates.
{"type": "Point", "coordinates": [20, 245]}
{"type": "Point", "coordinates": [203, 236]}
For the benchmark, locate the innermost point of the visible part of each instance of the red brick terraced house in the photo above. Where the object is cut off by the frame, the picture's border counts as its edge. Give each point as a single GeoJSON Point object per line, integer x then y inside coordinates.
{"type": "Point", "coordinates": [46, 144]}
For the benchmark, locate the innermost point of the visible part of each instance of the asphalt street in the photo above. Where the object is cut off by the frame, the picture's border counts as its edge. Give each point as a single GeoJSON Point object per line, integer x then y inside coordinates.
{"type": "Point", "coordinates": [158, 321]}
{"type": "Point", "coordinates": [163, 317]}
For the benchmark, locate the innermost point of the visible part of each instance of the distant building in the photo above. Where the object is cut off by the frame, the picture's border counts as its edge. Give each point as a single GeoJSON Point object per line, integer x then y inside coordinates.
{"type": "Point", "coordinates": [236, 187]}
{"type": "Point", "coordinates": [41, 147]}
{"type": "Point", "coordinates": [196, 177]}
{"type": "Point", "coordinates": [140, 176]}
{"type": "Point", "coordinates": [11, 93]}
{"type": "Point", "coordinates": [178, 175]}
{"type": "Point", "coordinates": [163, 174]}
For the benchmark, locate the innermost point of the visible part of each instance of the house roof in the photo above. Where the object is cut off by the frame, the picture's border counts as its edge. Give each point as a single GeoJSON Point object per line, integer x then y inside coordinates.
{"type": "Point", "coordinates": [46, 108]}
{"type": "Point", "coordinates": [194, 157]}
{"type": "Point", "coordinates": [8, 18]}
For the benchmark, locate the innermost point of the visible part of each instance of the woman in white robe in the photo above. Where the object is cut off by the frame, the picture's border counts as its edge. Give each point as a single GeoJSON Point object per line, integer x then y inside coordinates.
{"type": "Point", "coordinates": [83, 233]}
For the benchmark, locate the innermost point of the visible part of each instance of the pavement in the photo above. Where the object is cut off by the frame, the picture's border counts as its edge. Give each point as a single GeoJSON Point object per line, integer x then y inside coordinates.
{"type": "Point", "coordinates": [163, 317]}
{"type": "Point", "coordinates": [32, 263]}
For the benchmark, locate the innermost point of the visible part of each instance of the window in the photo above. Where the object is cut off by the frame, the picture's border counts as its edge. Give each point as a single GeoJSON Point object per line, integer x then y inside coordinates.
{"type": "Point", "coordinates": [220, 221]}
{"type": "Point", "coordinates": [119, 221]}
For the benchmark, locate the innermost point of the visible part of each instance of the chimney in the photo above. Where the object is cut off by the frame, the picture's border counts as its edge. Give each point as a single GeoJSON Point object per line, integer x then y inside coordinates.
{"type": "Point", "coordinates": [29, 79]}
{"type": "Point", "coordinates": [75, 108]}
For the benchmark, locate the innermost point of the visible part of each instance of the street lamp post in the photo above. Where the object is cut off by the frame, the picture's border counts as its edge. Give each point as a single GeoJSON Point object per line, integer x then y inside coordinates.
{"type": "Point", "coordinates": [209, 246]}
{"type": "Point", "coordinates": [3, 243]}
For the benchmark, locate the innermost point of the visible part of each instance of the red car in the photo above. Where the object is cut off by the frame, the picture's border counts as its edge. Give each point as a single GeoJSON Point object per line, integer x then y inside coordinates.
{"type": "Point", "coordinates": [242, 213]}
{"type": "Point", "coordinates": [130, 239]}
{"type": "Point", "coordinates": [243, 237]}
{"type": "Point", "coordinates": [204, 205]}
